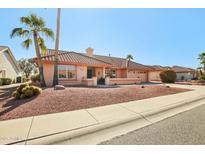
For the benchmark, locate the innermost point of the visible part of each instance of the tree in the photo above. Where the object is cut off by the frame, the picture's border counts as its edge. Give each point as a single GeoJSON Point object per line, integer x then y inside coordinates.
{"type": "Point", "coordinates": [55, 75]}
{"type": "Point", "coordinates": [129, 57]}
{"type": "Point", "coordinates": [168, 76]}
{"type": "Point", "coordinates": [33, 30]}
{"type": "Point", "coordinates": [201, 57]}
{"type": "Point", "coordinates": [27, 67]}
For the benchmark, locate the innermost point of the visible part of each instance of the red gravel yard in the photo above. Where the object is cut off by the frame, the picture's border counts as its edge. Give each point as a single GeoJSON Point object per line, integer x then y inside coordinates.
{"type": "Point", "coordinates": [52, 101]}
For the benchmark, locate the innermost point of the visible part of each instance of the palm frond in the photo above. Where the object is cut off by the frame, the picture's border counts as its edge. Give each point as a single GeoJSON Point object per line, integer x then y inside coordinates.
{"type": "Point", "coordinates": [25, 20]}
{"type": "Point", "coordinates": [19, 32]}
{"type": "Point", "coordinates": [48, 32]}
{"type": "Point", "coordinates": [15, 32]}
{"type": "Point", "coordinates": [129, 56]}
{"type": "Point", "coordinates": [42, 45]}
{"type": "Point", "coordinates": [26, 44]}
{"type": "Point", "coordinates": [36, 21]}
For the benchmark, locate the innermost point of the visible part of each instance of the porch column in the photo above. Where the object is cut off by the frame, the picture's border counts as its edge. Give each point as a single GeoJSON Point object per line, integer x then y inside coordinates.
{"type": "Point", "coordinates": [103, 72]}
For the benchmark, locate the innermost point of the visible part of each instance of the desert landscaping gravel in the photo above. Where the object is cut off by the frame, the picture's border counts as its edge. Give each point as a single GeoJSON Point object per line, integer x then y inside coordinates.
{"type": "Point", "coordinates": [53, 101]}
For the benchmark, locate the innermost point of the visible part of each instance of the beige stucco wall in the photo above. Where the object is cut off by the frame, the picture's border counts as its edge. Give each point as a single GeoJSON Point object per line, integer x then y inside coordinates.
{"type": "Point", "coordinates": [81, 72]}
{"type": "Point", "coordinates": [154, 76]}
{"type": "Point", "coordinates": [48, 71]}
{"type": "Point", "coordinates": [7, 64]}
{"type": "Point", "coordinates": [187, 76]}
{"type": "Point", "coordinates": [99, 72]}
{"type": "Point", "coordinates": [113, 81]}
{"type": "Point", "coordinates": [137, 74]}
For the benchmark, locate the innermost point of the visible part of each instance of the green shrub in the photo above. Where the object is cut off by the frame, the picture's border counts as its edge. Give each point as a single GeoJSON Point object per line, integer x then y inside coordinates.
{"type": "Point", "coordinates": [16, 95]}
{"type": "Point", "coordinates": [202, 77]}
{"type": "Point", "coordinates": [35, 78]}
{"type": "Point", "coordinates": [168, 76]}
{"type": "Point", "coordinates": [26, 91]}
{"type": "Point", "coordinates": [37, 90]}
{"type": "Point", "coordinates": [5, 81]}
{"type": "Point", "coordinates": [22, 96]}
{"type": "Point", "coordinates": [19, 89]}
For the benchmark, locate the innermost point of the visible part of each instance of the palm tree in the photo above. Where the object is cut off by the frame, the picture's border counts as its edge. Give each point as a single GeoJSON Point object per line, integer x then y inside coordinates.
{"type": "Point", "coordinates": [129, 57]}
{"type": "Point", "coordinates": [201, 57]}
{"type": "Point", "coordinates": [55, 75]}
{"type": "Point", "coordinates": [33, 27]}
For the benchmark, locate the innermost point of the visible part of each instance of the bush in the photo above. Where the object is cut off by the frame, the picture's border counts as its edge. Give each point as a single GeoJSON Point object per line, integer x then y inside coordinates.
{"type": "Point", "coordinates": [5, 81]}
{"type": "Point", "coordinates": [168, 76]}
{"type": "Point", "coordinates": [26, 91]}
{"type": "Point", "coordinates": [202, 77]}
{"type": "Point", "coordinates": [35, 78]}
{"type": "Point", "coordinates": [37, 90]}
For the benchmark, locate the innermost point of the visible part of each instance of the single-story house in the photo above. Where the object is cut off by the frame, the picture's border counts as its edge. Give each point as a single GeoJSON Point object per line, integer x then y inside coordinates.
{"type": "Point", "coordinates": [184, 73]}
{"type": "Point", "coordinates": [76, 68]}
{"type": "Point", "coordinates": [8, 64]}
{"type": "Point", "coordinates": [155, 71]}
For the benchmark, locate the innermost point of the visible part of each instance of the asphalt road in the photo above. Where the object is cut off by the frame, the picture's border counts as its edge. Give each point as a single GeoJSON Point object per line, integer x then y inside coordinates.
{"type": "Point", "coordinates": [185, 128]}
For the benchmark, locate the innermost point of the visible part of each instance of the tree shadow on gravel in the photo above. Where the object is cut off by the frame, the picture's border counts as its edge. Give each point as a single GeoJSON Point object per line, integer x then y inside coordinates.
{"type": "Point", "coordinates": [6, 93]}
{"type": "Point", "coordinates": [13, 104]}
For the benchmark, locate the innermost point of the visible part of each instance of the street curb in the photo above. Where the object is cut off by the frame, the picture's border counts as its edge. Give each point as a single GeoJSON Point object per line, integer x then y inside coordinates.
{"type": "Point", "coordinates": [172, 106]}
{"type": "Point", "coordinates": [71, 134]}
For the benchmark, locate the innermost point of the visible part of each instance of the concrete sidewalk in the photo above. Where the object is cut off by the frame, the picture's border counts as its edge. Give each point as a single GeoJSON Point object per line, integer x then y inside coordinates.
{"type": "Point", "coordinates": [91, 126]}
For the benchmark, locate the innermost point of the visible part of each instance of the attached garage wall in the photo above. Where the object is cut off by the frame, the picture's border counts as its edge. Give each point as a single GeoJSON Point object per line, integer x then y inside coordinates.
{"type": "Point", "coordinates": [142, 75]}
{"type": "Point", "coordinates": [154, 76]}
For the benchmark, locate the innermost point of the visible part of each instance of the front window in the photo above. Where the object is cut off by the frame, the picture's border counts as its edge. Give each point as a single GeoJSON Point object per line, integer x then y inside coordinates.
{"type": "Point", "coordinates": [66, 71]}
{"type": "Point", "coordinates": [110, 73]}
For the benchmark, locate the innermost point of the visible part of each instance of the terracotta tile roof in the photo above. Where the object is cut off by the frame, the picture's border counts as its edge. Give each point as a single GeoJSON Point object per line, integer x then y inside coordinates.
{"type": "Point", "coordinates": [159, 67]}
{"type": "Point", "coordinates": [178, 69]}
{"type": "Point", "coordinates": [72, 58]}
{"type": "Point", "coordinates": [121, 62]}
{"type": "Point", "coordinates": [82, 58]}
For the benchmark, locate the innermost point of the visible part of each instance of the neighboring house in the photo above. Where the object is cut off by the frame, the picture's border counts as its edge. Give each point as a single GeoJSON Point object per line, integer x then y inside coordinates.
{"type": "Point", "coordinates": [86, 68]}
{"type": "Point", "coordinates": [184, 73]}
{"type": "Point", "coordinates": [8, 65]}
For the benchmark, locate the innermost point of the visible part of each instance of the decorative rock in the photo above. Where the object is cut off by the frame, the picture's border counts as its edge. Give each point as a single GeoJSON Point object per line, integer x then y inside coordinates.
{"type": "Point", "coordinates": [59, 87]}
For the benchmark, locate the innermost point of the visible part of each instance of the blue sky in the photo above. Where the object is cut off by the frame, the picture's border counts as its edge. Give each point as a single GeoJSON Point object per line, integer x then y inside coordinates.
{"type": "Point", "coordinates": [152, 36]}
